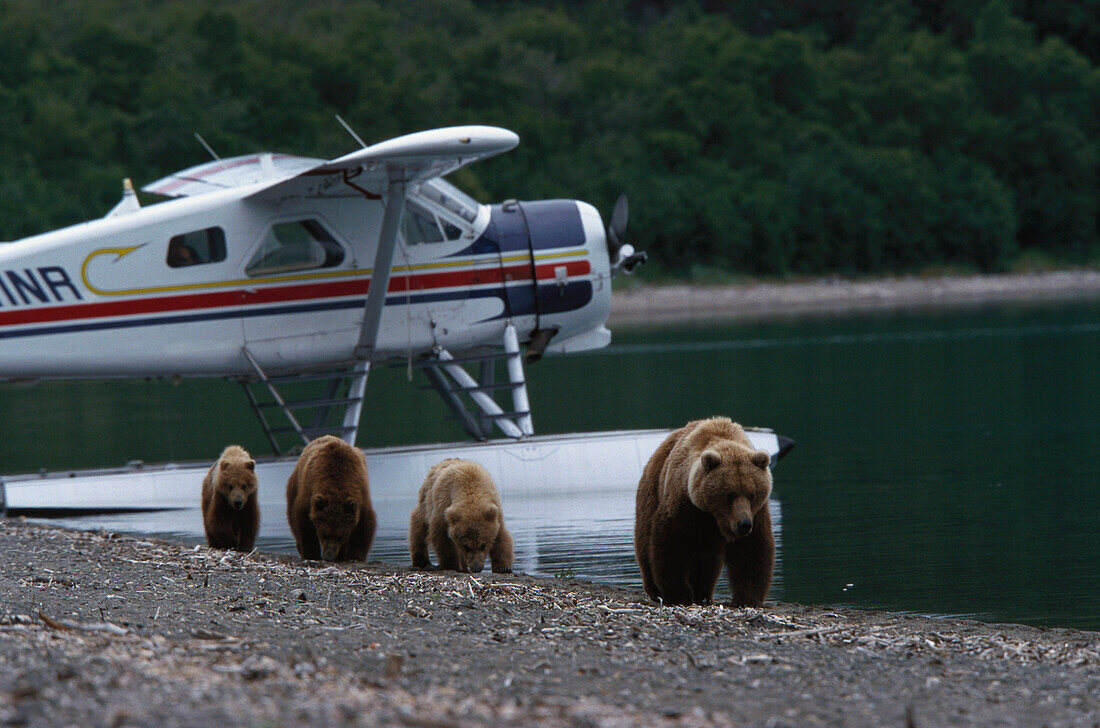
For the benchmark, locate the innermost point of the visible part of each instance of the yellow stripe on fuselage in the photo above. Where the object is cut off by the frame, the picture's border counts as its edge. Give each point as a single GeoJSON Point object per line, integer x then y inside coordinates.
{"type": "Point", "coordinates": [314, 275]}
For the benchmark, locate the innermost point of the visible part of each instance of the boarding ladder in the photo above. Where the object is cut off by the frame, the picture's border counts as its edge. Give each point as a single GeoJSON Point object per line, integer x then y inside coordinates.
{"type": "Point", "coordinates": [312, 404]}
{"type": "Point", "coordinates": [447, 375]}
{"type": "Point", "coordinates": [331, 401]}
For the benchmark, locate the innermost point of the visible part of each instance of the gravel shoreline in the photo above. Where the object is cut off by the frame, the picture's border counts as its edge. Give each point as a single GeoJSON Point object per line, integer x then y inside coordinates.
{"type": "Point", "coordinates": [762, 300]}
{"type": "Point", "coordinates": [99, 629]}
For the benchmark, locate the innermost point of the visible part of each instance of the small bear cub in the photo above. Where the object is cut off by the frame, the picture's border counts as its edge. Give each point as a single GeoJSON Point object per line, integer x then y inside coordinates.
{"type": "Point", "coordinates": [328, 502]}
{"type": "Point", "coordinates": [458, 512]}
{"type": "Point", "coordinates": [230, 512]}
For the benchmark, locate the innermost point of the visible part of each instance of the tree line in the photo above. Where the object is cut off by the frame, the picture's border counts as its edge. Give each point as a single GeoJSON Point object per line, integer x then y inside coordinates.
{"type": "Point", "coordinates": [800, 138]}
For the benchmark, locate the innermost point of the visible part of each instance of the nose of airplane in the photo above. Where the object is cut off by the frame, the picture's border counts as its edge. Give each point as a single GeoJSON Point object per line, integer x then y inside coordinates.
{"type": "Point", "coordinates": [595, 235]}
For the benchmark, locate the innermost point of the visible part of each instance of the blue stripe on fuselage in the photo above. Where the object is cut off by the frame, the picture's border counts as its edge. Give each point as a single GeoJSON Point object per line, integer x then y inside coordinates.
{"type": "Point", "coordinates": [552, 299]}
{"type": "Point", "coordinates": [551, 223]}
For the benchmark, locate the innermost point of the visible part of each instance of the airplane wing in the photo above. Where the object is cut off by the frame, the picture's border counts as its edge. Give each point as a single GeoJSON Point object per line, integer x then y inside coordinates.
{"type": "Point", "coordinates": [381, 171]}
{"type": "Point", "coordinates": [409, 158]}
{"type": "Point", "coordinates": [232, 172]}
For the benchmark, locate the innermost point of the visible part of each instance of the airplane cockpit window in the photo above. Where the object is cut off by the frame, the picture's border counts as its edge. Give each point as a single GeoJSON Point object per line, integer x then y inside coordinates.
{"type": "Point", "coordinates": [296, 245]}
{"type": "Point", "coordinates": [196, 248]}
{"type": "Point", "coordinates": [421, 226]}
{"type": "Point", "coordinates": [448, 196]}
{"type": "Point", "coordinates": [450, 231]}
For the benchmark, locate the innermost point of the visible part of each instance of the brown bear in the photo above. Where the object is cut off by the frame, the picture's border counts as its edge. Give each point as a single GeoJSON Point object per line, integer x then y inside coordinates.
{"type": "Point", "coordinates": [703, 500]}
{"type": "Point", "coordinates": [328, 502]}
{"type": "Point", "coordinates": [230, 512]}
{"type": "Point", "coordinates": [458, 512]}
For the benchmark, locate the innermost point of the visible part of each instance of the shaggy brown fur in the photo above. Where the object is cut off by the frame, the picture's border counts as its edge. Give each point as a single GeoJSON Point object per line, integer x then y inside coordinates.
{"type": "Point", "coordinates": [703, 500]}
{"type": "Point", "coordinates": [459, 513]}
{"type": "Point", "coordinates": [230, 513]}
{"type": "Point", "coordinates": [328, 502]}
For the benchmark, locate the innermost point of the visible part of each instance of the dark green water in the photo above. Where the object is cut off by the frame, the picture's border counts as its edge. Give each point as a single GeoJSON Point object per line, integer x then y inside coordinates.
{"type": "Point", "coordinates": [947, 462]}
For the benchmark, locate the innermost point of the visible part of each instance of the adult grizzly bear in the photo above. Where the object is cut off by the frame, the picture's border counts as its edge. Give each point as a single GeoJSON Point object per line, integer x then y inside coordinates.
{"type": "Point", "coordinates": [458, 512]}
{"type": "Point", "coordinates": [703, 500]}
{"type": "Point", "coordinates": [328, 502]}
{"type": "Point", "coordinates": [230, 513]}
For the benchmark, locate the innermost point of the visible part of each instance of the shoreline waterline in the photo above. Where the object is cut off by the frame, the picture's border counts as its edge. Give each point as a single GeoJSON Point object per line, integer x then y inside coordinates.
{"type": "Point", "coordinates": [761, 300]}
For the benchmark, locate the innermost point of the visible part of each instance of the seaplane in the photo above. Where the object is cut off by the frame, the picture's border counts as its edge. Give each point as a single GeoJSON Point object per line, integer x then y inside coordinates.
{"type": "Point", "coordinates": [294, 276]}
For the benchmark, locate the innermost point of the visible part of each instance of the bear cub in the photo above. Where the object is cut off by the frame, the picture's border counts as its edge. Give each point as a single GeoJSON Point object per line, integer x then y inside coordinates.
{"type": "Point", "coordinates": [230, 512]}
{"type": "Point", "coordinates": [328, 502]}
{"type": "Point", "coordinates": [703, 501]}
{"type": "Point", "coordinates": [458, 512]}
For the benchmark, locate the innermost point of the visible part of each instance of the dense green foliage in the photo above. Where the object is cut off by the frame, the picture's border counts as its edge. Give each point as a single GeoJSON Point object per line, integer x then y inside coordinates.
{"type": "Point", "coordinates": [839, 136]}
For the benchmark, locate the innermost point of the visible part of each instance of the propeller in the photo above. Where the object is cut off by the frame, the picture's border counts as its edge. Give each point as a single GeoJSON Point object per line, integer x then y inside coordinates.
{"type": "Point", "coordinates": [625, 260]}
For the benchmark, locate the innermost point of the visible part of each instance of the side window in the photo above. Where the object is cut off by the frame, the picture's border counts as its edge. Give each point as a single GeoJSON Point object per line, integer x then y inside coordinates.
{"type": "Point", "coordinates": [419, 227]}
{"type": "Point", "coordinates": [295, 245]}
{"type": "Point", "coordinates": [452, 232]}
{"type": "Point", "coordinates": [196, 248]}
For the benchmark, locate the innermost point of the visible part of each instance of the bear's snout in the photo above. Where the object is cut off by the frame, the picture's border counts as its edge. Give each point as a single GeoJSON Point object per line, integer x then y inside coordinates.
{"type": "Point", "coordinates": [744, 527]}
{"type": "Point", "coordinates": [237, 502]}
{"type": "Point", "coordinates": [330, 549]}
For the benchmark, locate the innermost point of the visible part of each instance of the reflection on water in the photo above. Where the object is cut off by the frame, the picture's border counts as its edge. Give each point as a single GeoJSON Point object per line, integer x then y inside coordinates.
{"type": "Point", "coordinates": [946, 461]}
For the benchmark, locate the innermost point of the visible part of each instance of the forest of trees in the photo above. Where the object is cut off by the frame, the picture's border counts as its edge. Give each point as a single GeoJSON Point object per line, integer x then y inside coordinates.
{"type": "Point", "coordinates": [804, 137]}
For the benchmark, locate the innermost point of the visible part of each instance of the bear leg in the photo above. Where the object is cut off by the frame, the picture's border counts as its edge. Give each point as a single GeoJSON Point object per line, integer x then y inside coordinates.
{"type": "Point", "coordinates": [445, 550]}
{"type": "Point", "coordinates": [705, 571]}
{"type": "Point", "coordinates": [220, 539]}
{"type": "Point", "coordinates": [358, 543]}
{"type": "Point", "coordinates": [671, 578]}
{"type": "Point", "coordinates": [641, 553]}
{"type": "Point", "coordinates": [418, 540]}
{"type": "Point", "coordinates": [671, 554]}
{"type": "Point", "coordinates": [674, 589]}
{"type": "Point", "coordinates": [219, 528]}
{"type": "Point", "coordinates": [750, 562]}
{"type": "Point", "coordinates": [502, 552]}
{"type": "Point", "coordinates": [305, 536]}
{"type": "Point", "coordinates": [248, 525]}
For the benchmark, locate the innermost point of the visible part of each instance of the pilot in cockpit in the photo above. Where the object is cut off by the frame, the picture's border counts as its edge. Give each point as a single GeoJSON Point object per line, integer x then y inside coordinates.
{"type": "Point", "coordinates": [180, 254]}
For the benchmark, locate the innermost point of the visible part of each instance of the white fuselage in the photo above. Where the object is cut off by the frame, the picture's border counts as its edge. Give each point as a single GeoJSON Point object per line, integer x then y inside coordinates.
{"type": "Point", "coordinates": [105, 299]}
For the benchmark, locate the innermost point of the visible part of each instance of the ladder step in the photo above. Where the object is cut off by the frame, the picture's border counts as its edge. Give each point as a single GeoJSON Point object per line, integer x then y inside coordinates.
{"type": "Point", "coordinates": [502, 415]}
{"type": "Point", "coordinates": [315, 377]}
{"type": "Point", "coordinates": [327, 430]}
{"type": "Point", "coordinates": [304, 403]}
{"type": "Point", "coordinates": [457, 360]}
{"type": "Point", "coordinates": [315, 430]}
{"type": "Point", "coordinates": [479, 388]}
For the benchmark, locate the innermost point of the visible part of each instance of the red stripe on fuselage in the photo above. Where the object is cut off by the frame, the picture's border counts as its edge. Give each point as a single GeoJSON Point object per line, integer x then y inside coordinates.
{"type": "Point", "coordinates": [282, 293]}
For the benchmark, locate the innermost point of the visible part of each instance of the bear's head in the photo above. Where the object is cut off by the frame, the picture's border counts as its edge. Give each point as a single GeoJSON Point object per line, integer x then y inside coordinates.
{"type": "Point", "coordinates": [237, 480]}
{"type": "Point", "coordinates": [732, 483]}
{"type": "Point", "coordinates": [334, 518]}
{"type": "Point", "coordinates": [473, 534]}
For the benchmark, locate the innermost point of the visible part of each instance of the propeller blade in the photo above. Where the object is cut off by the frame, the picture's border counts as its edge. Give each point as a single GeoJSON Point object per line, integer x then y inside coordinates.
{"type": "Point", "coordinates": [623, 257]}
{"type": "Point", "coordinates": [619, 217]}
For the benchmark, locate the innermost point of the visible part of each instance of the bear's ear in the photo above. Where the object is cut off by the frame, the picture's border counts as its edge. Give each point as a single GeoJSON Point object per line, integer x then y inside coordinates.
{"type": "Point", "coordinates": [350, 506]}
{"type": "Point", "coordinates": [760, 459]}
{"type": "Point", "coordinates": [452, 515]}
{"type": "Point", "coordinates": [710, 460]}
{"type": "Point", "coordinates": [251, 465]}
{"type": "Point", "coordinates": [490, 513]}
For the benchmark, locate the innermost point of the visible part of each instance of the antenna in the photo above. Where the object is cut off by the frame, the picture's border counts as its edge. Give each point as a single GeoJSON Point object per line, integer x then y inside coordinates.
{"type": "Point", "coordinates": [207, 147]}
{"type": "Point", "coordinates": [351, 131]}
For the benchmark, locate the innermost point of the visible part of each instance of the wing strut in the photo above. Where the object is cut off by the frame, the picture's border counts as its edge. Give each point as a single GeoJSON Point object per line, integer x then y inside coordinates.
{"type": "Point", "coordinates": [380, 275]}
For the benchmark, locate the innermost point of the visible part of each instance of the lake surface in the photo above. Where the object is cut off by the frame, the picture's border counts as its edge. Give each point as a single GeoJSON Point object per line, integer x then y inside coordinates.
{"type": "Point", "coordinates": [947, 461]}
